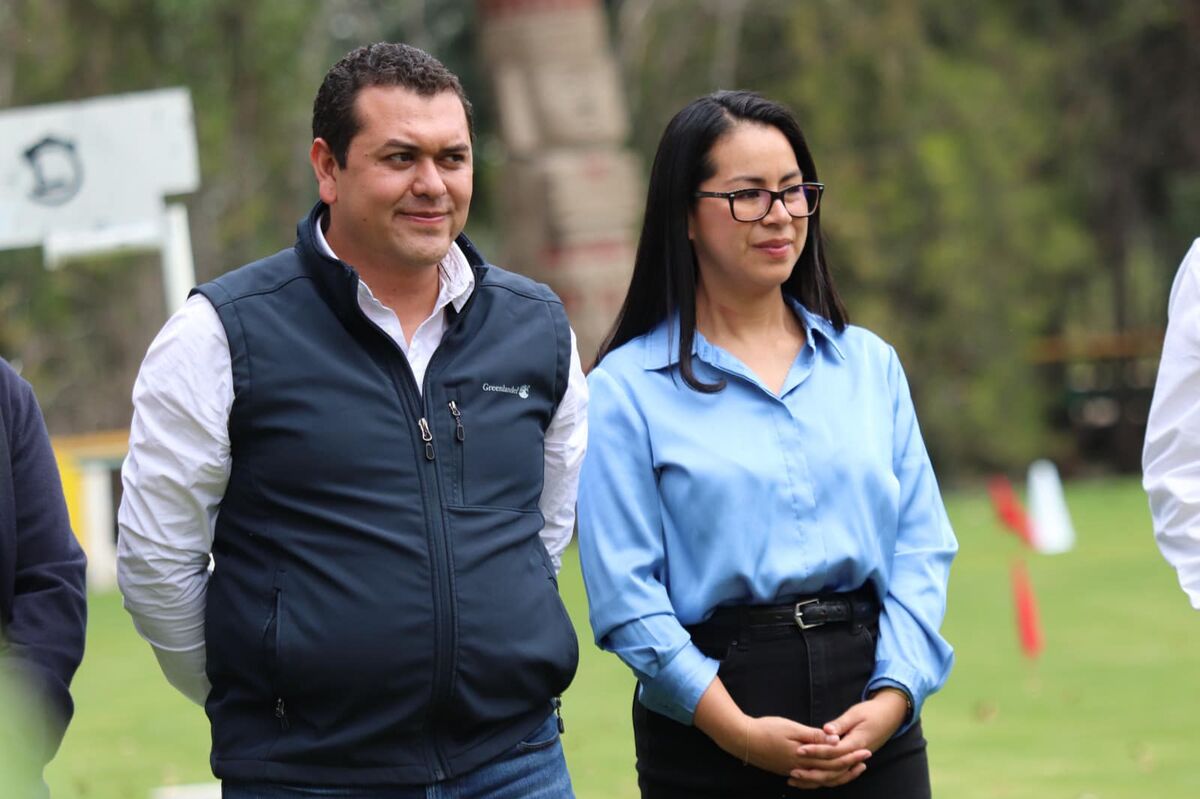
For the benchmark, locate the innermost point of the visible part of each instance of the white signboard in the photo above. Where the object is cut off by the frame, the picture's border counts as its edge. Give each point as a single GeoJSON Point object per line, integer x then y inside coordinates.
{"type": "Point", "coordinates": [95, 169]}
{"type": "Point", "coordinates": [90, 176]}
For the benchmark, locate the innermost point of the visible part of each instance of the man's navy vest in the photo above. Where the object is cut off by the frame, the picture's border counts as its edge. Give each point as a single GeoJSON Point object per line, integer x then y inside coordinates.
{"type": "Point", "coordinates": [382, 610]}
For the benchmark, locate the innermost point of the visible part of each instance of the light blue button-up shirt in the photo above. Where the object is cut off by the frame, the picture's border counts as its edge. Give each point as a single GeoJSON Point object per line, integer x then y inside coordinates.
{"type": "Point", "coordinates": [689, 501]}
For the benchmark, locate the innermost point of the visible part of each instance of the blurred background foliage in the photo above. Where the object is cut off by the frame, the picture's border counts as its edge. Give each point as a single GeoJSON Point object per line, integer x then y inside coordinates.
{"type": "Point", "coordinates": [1011, 183]}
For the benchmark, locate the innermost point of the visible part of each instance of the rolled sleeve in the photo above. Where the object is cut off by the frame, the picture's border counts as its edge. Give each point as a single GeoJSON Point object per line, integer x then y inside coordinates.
{"type": "Point", "coordinates": [911, 653]}
{"type": "Point", "coordinates": [622, 556]}
{"type": "Point", "coordinates": [678, 680]}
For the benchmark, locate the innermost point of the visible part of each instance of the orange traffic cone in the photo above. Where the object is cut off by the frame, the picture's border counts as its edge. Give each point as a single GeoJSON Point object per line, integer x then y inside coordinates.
{"type": "Point", "coordinates": [1029, 628]}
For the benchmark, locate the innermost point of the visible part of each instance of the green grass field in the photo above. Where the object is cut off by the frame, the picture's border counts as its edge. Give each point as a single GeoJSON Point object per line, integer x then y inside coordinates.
{"type": "Point", "coordinates": [1109, 711]}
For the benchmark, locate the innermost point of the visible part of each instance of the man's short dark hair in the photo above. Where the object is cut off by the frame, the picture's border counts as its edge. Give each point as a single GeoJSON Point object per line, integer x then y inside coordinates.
{"type": "Point", "coordinates": [379, 64]}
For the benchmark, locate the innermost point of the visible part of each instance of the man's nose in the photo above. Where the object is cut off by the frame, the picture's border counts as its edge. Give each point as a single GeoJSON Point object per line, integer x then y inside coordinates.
{"type": "Point", "coordinates": [427, 182]}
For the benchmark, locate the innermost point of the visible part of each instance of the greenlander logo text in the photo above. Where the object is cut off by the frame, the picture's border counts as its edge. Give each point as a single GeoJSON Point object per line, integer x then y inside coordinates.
{"type": "Point", "coordinates": [520, 391]}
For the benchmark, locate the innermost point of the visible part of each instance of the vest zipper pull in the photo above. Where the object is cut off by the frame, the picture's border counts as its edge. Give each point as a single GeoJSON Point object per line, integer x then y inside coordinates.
{"type": "Point", "coordinates": [459, 431]}
{"type": "Point", "coordinates": [427, 437]}
{"type": "Point", "coordinates": [558, 712]}
{"type": "Point", "coordinates": [281, 713]}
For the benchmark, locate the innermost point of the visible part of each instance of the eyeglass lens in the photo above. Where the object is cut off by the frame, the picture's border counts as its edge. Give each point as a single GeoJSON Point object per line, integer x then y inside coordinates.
{"type": "Point", "coordinates": [753, 204]}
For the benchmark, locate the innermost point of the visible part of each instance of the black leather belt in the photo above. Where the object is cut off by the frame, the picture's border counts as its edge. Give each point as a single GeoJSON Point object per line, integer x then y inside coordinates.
{"type": "Point", "coordinates": [801, 613]}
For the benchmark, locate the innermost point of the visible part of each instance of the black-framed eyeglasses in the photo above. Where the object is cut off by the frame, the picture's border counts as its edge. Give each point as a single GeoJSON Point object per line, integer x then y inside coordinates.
{"type": "Point", "coordinates": [750, 205]}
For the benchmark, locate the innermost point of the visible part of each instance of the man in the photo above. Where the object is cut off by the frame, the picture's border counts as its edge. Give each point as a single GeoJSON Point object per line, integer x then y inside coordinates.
{"type": "Point", "coordinates": [43, 604]}
{"type": "Point", "coordinates": [377, 436]}
{"type": "Point", "coordinates": [1171, 459]}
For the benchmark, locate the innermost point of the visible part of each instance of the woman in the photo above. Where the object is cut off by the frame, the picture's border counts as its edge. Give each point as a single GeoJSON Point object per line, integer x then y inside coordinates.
{"type": "Point", "coordinates": [761, 532]}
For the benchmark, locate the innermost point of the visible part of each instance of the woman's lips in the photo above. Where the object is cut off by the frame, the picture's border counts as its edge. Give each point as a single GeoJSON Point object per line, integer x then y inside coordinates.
{"type": "Point", "coordinates": [775, 248]}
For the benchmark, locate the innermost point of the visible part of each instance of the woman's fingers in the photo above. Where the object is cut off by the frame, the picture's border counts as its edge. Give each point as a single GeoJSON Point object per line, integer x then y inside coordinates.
{"type": "Point", "coordinates": [815, 778]}
{"type": "Point", "coordinates": [839, 763]}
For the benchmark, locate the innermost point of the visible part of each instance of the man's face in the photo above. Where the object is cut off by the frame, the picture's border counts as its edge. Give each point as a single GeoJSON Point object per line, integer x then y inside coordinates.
{"type": "Point", "coordinates": [404, 193]}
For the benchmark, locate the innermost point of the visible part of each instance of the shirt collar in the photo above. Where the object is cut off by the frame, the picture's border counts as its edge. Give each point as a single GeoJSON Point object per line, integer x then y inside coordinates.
{"type": "Point", "coordinates": [662, 343]}
{"type": "Point", "coordinates": [456, 278]}
{"type": "Point", "coordinates": [814, 323]}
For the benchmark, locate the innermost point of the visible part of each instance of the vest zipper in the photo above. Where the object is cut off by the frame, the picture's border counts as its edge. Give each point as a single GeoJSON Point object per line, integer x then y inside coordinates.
{"type": "Point", "coordinates": [427, 437]}
{"type": "Point", "coordinates": [459, 431]}
{"type": "Point", "coordinates": [439, 560]}
{"type": "Point", "coordinates": [446, 623]}
{"type": "Point", "coordinates": [281, 714]}
{"type": "Point", "coordinates": [280, 708]}
{"type": "Point", "coordinates": [459, 473]}
{"type": "Point", "coordinates": [444, 664]}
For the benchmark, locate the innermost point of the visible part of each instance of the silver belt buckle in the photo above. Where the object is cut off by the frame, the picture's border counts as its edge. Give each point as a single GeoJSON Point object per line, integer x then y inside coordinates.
{"type": "Point", "coordinates": [798, 613]}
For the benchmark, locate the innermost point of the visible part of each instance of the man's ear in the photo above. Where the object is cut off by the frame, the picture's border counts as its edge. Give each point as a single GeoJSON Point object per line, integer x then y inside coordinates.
{"type": "Point", "coordinates": [326, 169]}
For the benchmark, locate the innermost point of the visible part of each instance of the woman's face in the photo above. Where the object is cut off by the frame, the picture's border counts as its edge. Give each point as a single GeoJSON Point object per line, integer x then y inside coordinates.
{"type": "Point", "coordinates": [747, 258]}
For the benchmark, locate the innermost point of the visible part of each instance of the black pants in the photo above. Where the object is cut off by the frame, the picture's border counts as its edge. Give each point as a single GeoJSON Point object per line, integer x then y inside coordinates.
{"type": "Point", "coordinates": [811, 676]}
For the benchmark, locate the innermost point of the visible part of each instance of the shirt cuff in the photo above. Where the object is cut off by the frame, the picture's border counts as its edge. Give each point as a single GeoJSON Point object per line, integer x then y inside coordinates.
{"type": "Point", "coordinates": [893, 675]}
{"type": "Point", "coordinates": [185, 670]}
{"type": "Point", "coordinates": [676, 689]}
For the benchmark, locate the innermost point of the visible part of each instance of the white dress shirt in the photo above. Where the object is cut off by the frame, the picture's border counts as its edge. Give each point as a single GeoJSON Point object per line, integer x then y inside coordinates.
{"type": "Point", "coordinates": [178, 465]}
{"type": "Point", "coordinates": [1171, 459]}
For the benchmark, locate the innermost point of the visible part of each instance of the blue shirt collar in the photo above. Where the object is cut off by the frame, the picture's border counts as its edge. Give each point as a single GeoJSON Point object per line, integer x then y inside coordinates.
{"type": "Point", "coordinates": [662, 343]}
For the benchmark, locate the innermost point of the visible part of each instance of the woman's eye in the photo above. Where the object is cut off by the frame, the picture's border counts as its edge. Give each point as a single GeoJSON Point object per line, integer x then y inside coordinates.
{"type": "Point", "coordinates": [748, 197]}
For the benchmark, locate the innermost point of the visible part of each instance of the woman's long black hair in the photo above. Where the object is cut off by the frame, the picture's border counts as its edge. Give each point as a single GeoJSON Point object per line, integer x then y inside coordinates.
{"type": "Point", "coordinates": [664, 272]}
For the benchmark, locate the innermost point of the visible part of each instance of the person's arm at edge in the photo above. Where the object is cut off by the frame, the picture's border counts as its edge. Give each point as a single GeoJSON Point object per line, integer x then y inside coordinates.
{"type": "Point", "coordinates": [174, 478]}
{"type": "Point", "coordinates": [49, 610]}
{"type": "Point", "coordinates": [1171, 458]}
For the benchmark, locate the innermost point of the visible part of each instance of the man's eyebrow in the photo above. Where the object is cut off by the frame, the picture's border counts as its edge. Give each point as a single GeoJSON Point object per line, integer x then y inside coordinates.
{"type": "Point", "coordinates": [401, 144]}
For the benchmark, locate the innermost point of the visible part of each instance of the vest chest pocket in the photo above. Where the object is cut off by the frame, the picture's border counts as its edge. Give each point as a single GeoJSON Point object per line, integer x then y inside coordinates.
{"type": "Point", "coordinates": [495, 436]}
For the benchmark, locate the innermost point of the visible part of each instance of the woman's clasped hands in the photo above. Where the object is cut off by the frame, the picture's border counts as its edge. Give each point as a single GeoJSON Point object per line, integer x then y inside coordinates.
{"type": "Point", "coordinates": [809, 757]}
{"type": "Point", "coordinates": [849, 741]}
{"type": "Point", "coordinates": [817, 758]}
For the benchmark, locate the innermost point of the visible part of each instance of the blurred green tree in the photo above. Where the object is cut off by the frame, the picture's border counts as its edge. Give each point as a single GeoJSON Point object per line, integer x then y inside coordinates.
{"type": "Point", "coordinates": [1000, 175]}
{"type": "Point", "coordinates": [252, 69]}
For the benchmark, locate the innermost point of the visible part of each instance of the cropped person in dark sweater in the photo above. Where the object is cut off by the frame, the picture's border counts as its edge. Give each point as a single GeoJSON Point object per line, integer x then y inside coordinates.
{"type": "Point", "coordinates": [43, 604]}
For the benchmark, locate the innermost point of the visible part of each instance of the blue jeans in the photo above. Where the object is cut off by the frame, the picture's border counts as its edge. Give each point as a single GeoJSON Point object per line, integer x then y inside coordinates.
{"type": "Point", "coordinates": [534, 769]}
